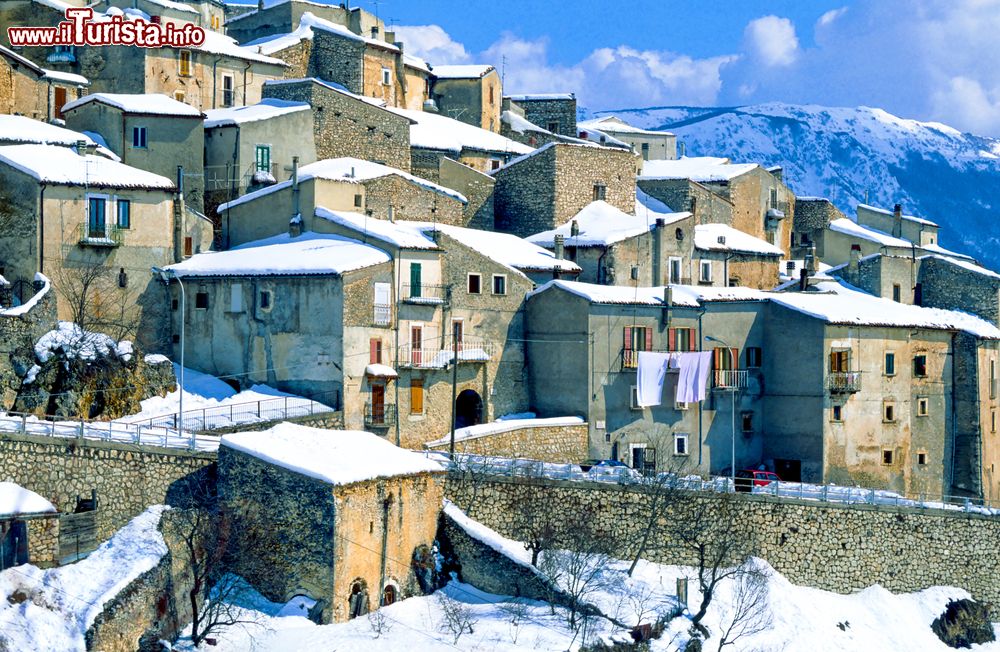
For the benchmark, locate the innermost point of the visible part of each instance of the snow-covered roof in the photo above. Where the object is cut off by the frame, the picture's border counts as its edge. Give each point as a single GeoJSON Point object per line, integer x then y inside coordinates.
{"type": "Point", "coordinates": [520, 125]}
{"type": "Point", "coordinates": [339, 457]}
{"type": "Point", "coordinates": [508, 250]}
{"type": "Point", "coordinates": [266, 109]}
{"type": "Point", "coordinates": [964, 264]}
{"type": "Point", "coordinates": [15, 500]}
{"type": "Point", "coordinates": [835, 302]}
{"type": "Point", "coordinates": [68, 77]}
{"type": "Point", "coordinates": [469, 71]}
{"type": "Point", "coordinates": [405, 234]}
{"type": "Point", "coordinates": [333, 86]}
{"type": "Point", "coordinates": [505, 425]}
{"type": "Point", "coordinates": [547, 146]}
{"type": "Point", "coordinates": [216, 43]}
{"type": "Point", "coordinates": [682, 295]}
{"type": "Point", "coordinates": [415, 62]}
{"type": "Point", "coordinates": [176, 6]}
{"type": "Point", "coordinates": [145, 103]}
{"type": "Point", "coordinates": [435, 131]}
{"type": "Point", "coordinates": [309, 22]}
{"type": "Point", "coordinates": [595, 135]}
{"type": "Point", "coordinates": [908, 218]}
{"type": "Point", "coordinates": [540, 97]}
{"type": "Point", "coordinates": [376, 370]}
{"type": "Point", "coordinates": [63, 166]}
{"type": "Point", "coordinates": [615, 125]}
{"type": "Point", "coordinates": [703, 169]}
{"type": "Point", "coordinates": [600, 224]}
{"type": "Point", "coordinates": [797, 264]}
{"type": "Point", "coordinates": [938, 249]}
{"type": "Point", "coordinates": [19, 129]}
{"type": "Point", "coordinates": [283, 255]}
{"type": "Point", "coordinates": [348, 170]}
{"type": "Point", "coordinates": [707, 238]}
{"type": "Point", "coordinates": [850, 227]}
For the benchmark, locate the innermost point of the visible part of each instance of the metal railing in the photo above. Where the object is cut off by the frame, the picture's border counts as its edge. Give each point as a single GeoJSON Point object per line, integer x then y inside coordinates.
{"type": "Point", "coordinates": [729, 379]}
{"type": "Point", "coordinates": [840, 382]}
{"type": "Point", "coordinates": [382, 315]}
{"type": "Point", "coordinates": [431, 356]}
{"type": "Point", "coordinates": [424, 293]}
{"type": "Point", "coordinates": [100, 235]}
{"type": "Point", "coordinates": [223, 416]}
{"type": "Point", "coordinates": [380, 415]}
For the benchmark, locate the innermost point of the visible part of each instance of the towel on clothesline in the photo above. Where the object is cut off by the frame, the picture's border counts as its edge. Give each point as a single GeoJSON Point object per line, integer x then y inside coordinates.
{"type": "Point", "coordinates": [651, 371]}
{"type": "Point", "coordinates": [692, 378]}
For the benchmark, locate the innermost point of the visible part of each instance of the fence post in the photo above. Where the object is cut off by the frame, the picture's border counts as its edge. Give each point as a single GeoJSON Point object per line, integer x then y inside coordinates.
{"type": "Point", "coordinates": [80, 431]}
{"type": "Point", "coordinates": [873, 496]}
{"type": "Point", "coordinates": [24, 424]}
{"type": "Point", "coordinates": [286, 408]}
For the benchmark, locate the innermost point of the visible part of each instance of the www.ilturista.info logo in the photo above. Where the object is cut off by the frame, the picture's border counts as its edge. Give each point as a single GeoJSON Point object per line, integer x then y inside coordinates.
{"type": "Point", "coordinates": [80, 28]}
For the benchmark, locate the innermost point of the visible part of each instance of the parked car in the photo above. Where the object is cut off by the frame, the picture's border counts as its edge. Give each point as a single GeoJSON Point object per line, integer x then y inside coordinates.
{"type": "Point", "coordinates": [615, 469]}
{"type": "Point", "coordinates": [747, 479]}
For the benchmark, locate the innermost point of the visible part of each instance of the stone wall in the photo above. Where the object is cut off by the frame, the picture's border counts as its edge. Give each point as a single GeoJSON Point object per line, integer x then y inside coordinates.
{"type": "Point", "coordinates": [410, 201]}
{"type": "Point", "coordinates": [43, 540]}
{"type": "Point", "coordinates": [18, 334]}
{"type": "Point", "coordinates": [812, 214]}
{"type": "Point", "coordinates": [952, 287]}
{"type": "Point", "coordinates": [544, 112]}
{"type": "Point", "coordinates": [558, 444]}
{"type": "Point", "coordinates": [127, 478]}
{"type": "Point", "coordinates": [685, 195]}
{"type": "Point", "coordinates": [338, 59]}
{"type": "Point", "coordinates": [832, 547]}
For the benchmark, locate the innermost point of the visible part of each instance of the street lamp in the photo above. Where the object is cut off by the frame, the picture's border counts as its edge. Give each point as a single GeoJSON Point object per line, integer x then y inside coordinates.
{"type": "Point", "coordinates": [166, 275]}
{"type": "Point", "coordinates": [732, 471]}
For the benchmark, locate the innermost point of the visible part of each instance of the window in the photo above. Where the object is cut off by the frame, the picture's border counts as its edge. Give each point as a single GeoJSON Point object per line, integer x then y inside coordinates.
{"type": "Point", "coordinates": [920, 366]}
{"type": "Point", "coordinates": [495, 163]}
{"type": "Point", "coordinates": [264, 299]}
{"type": "Point", "coordinates": [139, 137]}
{"type": "Point", "coordinates": [492, 96]}
{"type": "Point", "coordinates": [375, 350]}
{"type": "Point", "coordinates": [890, 364]}
{"type": "Point", "coordinates": [633, 398]}
{"type": "Point", "coordinates": [887, 457]}
{"type": "Point", "coordinates": [681, 339]}
{"type": "Point", "coordinates": [553, 126]}
{"type": "Point", "coordinates": [180, 96]}
{"type": "Point", "coordinates": [358, 201]}
{"type": "Point", "coordinates": [896, 292]}
{"type": "Point", "coordinates": [993, 420]}
{"type": "Point", "coordinates": [188, 246]}
{"type": "Point", "coordinates": [416, 396]}
{"type": "Point", "coordinates": [228, 92]}
{"type": "Point", "coordinates": [923, 405]}
{"type": "Point", "coordinates": [201, 300]}
{"type": "Point", "coordinates": [837, 414]}
{"type": "Point", "coordinates": [386, 76]}
{"type": "Point", "coordinates": [499, 284]}
{"type": "Point", "coordinates": [475, 283]}
{"type": "Point", "coordinates": [635, 339]}
{"type": "Point", "coordinates": [215, 23]}
{"type": "Point", "coordinates": [706, 271]}
{"type": "Point", "coordinates": [262, 158]}
{"type": "Point", "coordinates": [888, 411]}
{"type": "Point", "coordinates": [922, 458]}
{"type": "Point", "coordinates": [675, 269]}
{"type": "Point", "coordinates": [680, 444]}
{"type": "Point", "coordinates": [645, 151]}
{"type": "Point", "coordinates": [840, 361]}
{"type": "Point", "coordinates": [415, 279]}
{"type": "Point", "coordinates": [600, 191]}
{"type": "Point", "coordinates": [97, 217]}
{"type": "Point", "coordinates": [993, 378]}
{"type": "Point", "coordinates": [236, 297]}
{"type": "Point", "coordinates": [754, 357]}
{"type": "Point", "coordinates": [746, 418]}
{"type": "Point", "coordinates": [185, 63]}
{"type": "Point", "coordinates": [124, 214]}
{"type": "Point", "coordinates": [382, 304]}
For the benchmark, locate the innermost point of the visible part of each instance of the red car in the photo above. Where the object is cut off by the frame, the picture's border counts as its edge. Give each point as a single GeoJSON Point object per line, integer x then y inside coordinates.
{"type": "Point", "coordinates": [747, 479]}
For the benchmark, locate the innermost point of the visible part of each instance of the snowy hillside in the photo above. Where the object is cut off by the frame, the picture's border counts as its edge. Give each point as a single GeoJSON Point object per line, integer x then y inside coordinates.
{"type": "Point", "coordinates": [849, 154]}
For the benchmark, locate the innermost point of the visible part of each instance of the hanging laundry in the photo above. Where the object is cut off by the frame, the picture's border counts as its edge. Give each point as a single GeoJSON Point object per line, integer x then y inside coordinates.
{"type": "Point", "coordinates": [692, 378]}
{"type": "Point", "coordinates": [650, 373]}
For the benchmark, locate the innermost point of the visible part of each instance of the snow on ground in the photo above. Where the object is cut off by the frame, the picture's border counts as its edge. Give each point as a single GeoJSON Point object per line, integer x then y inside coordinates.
{"type": "Point", "coordinates": [52, 609]}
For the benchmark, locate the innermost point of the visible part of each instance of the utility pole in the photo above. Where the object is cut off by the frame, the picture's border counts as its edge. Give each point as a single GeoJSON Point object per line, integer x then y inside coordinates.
{"type": "Point", "coordinates": [454, 386]}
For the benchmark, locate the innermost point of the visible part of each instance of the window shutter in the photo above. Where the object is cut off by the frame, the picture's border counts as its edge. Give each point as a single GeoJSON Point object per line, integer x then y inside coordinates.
{"type": "Point", "coordinates": [628, 338]}
{"type": "Point", "coordinates": [373, 351]}
{"type": "Point", "coordinates": [716, 358]}
{"type": "Point", "coordinates": [671, 339]}
{"type": "Point", "coordinates": [649, 339]}
{"type": "Point", "coordinates": [692, 340]}
{"type": "Point", "coordinates": [734, 358]}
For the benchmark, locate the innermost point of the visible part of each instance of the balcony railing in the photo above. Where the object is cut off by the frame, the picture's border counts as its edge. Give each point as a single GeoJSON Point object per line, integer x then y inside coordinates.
{"type": "Point", "coordinates": [105, 235]}
{"type": "Point", "coordinates": [431, 356]}
{"type": "Point", "coordinates": [379, 415]}
{"type": "Point", "coordinates": [844, 382]}
{"type": "Point", "coordinates": [426, 294]}
{"type": "Point", "coordinates": [383, 315]}
{"type": "Point", "coordinates": [729, 379]}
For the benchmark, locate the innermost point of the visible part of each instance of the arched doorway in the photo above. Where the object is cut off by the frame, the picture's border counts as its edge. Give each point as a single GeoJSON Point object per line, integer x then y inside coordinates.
{"type": "Point", "coordinates": [358, 602]}
{"type": "Point", "coordinates": [468, 409]}
{"type": "Point", "coordinates": [389, 595]}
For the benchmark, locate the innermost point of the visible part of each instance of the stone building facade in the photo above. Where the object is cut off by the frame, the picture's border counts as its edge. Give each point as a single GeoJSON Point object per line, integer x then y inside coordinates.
{"type": "Point", "coordinates": [469, 93]}
{"type": "Point", "coordinates": [559, 444]}
{"type": "Point", "coordinates": [555, 112]}
{"type": "Point", "coordinates": [285, 17]}
{"type": "Point", "coordinates": [345, 125]}
{"type": "Point", "coordinates": [544, 189]}
{"type": "Point", "coordinates": [29, 90]}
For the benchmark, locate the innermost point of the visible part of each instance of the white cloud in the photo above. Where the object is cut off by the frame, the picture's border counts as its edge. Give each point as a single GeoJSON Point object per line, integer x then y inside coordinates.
{"type": "Point", "coordinates": [432, 43]}
{"type": "Point", "coordinates": [772, 40]}
{"type": "Point", "coordinates": [967, 103]}
{"type": "Point", "coordinates": [830, 16]}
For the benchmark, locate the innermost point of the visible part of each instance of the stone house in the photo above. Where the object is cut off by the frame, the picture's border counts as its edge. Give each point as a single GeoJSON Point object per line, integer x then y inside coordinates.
{"type": "Point", "coordinates": [727, 256]}
{"type": "Point", "coordinates": [469, 93]}
{"type": "Point", "coordinates": [609, 244]}
{"type": "Point", "coordinates": [650, 145]}
{"type": "Point", "coordinates": [216, 74]}
{"type": "Point", "coordinates": [345, 124]}
{"type": "Point", "coordinates": [278, 18]}
{"type": "Point", "coordinates": [343, 184]}
{"type": "Point", "coordinates": [919, 231]}
{"type": "Point", "coordinates": [29, 528]}
{"type": "Point", "coordinates": [515, 126]}
{"type": "Point", "coordinates": [341, 517]}
{"type": "Point", "coordinates": [73, 212]}
{"type": "Point", "coordinates": [555, 112]}
{"type": "Point", "coordinates": [209, 14]}
{"type": "Point", "coordinates": [250, 146]}
{"type": "Point", "coordinates": [149, 132]}
{"type": "Point", "coordinates": [546, 188]}
{"type": "Point", "coordinates": [29, 90]}
{"type": "Point", "coordinates": [296, 312]}
{"type": "Point", "coordinates": [744, 196]}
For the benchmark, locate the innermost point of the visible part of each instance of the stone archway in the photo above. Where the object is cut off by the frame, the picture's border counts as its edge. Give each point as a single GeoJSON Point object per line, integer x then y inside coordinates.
{"type": "Point", "coordinates": [357, 603]}
{"type": "Point", "coordinates": [468, 409]}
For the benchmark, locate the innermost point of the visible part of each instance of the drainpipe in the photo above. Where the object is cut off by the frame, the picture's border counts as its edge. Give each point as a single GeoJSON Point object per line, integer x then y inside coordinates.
{"type": "Point", "coordinates": [215, 81]}
{"type": "Point", "coordinates": [395, 309]}
{"type": "Point", "coordinates": [386, 502]}
{"type": "Point", "coordinates": [701, 436]}
{"type": "Point", "coordinates": [245, 70]}
{"type": "Point", "coordinates": [602, 277]}
{"type": "Point", "coordinates": [41, 229]}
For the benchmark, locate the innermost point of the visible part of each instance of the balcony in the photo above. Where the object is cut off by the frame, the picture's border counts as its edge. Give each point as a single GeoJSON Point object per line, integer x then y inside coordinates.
{"type": "Point", "coordinates": [380, 415]}
{"type": "Point", "coordinates": [423, 294]}
{"type": "Point", "coordinates": [382, 315]}
{"type": "Point", "coordinates": [431, 356]}
{"type": "Point", "coordinates": [844, 382]}
{"type": "Point", "coordinates": [735, 379]}
{"type": "Point", "coordinates": [104, 235]}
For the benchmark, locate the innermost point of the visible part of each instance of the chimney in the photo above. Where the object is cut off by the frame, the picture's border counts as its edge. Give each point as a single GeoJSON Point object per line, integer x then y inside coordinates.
{"type": "Point", "coordinates": [811, 263]}
{"type": "Point", "coordinates": [260, 5]}
{"type": "Point", "coordinates": [790, 268]}
{"type": "Point", "coordinates": [668, 304]}
{"type": "Point", "coordinates": [853, 262]}
{"type": "Point", "coordinates": [897, 221]}
{"type": "Point", "coordinates": [574, 229]}
{"type": "Point", "coordinates": [81, 147]}
{"type": "Point", "coordinates": [681, 148]}
{"type": "Point", "coordinates": [803, 279]}
{"type": "Point", "coordinates": [559, 247]}
{"type": "Point", "coordinates": [659, 252]}
{"type": "Point", "coordinates": [295, 226]}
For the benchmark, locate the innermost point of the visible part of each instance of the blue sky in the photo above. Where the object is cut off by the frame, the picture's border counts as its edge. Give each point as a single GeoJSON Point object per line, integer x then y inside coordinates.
{"type": "Point", "coordinates": [931, 60]}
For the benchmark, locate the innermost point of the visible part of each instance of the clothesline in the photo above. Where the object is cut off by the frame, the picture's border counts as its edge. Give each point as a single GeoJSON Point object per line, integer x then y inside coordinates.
{"type": "Point", "coordinates": [692, 378]}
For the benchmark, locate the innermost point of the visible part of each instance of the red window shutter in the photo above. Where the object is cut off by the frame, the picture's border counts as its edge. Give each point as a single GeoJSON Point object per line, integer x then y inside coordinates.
{"type": "Point", "coordinates": [692, 340]}
{"type": "Point", "coordinates": [649, 339]}
{"type": "Point", "coordinates": [716, 358]}
{"type": "Point", "coordinates": [628, 338]}
{"type": "Point", "coordinates": [373, 346]}
{"type": "Point", "coordinates": [734, 359]}
{"type": "Point", "coordinates": [671, 339]}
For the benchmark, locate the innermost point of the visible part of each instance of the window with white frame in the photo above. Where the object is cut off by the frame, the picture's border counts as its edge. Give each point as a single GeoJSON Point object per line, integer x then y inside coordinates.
{"type": "Point", "coordinates": [386, 76]}
{"type": "Point", "coordinates": [923, 406]}
{"type": "Point", "coordinates": [383, 304]}
{"type": "Point", "coordinates": [675, 269]}
{"type": "Point", "coordinates": [139, 137]}
{"type": "Point", "coordinates": [681, 443]}
{"type": "Point", "coordinates": [228, 91]}
{"type": "Point", "coordinates": [499, 284]}
{"type": "Point", "coordinates": [475, 284]}
{"type": "Point", "coordinates": [706, 270]}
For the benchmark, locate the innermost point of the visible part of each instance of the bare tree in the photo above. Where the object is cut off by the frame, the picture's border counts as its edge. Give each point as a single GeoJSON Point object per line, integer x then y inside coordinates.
{"type": "Point", "coordinates": [99, 300]}
{"type": "Point", "coordinates": [535, 525]}
{"type": "Point", "coordinates": [517, 612]}
{"type": "Point", "coordinates": [749, 613]}
{"type": "Point", "coordinates": [665, 489]}
{"type": "Point", "coordinates": [457, 618]}
{"type": "Point", "coordinates": [379, 622]}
